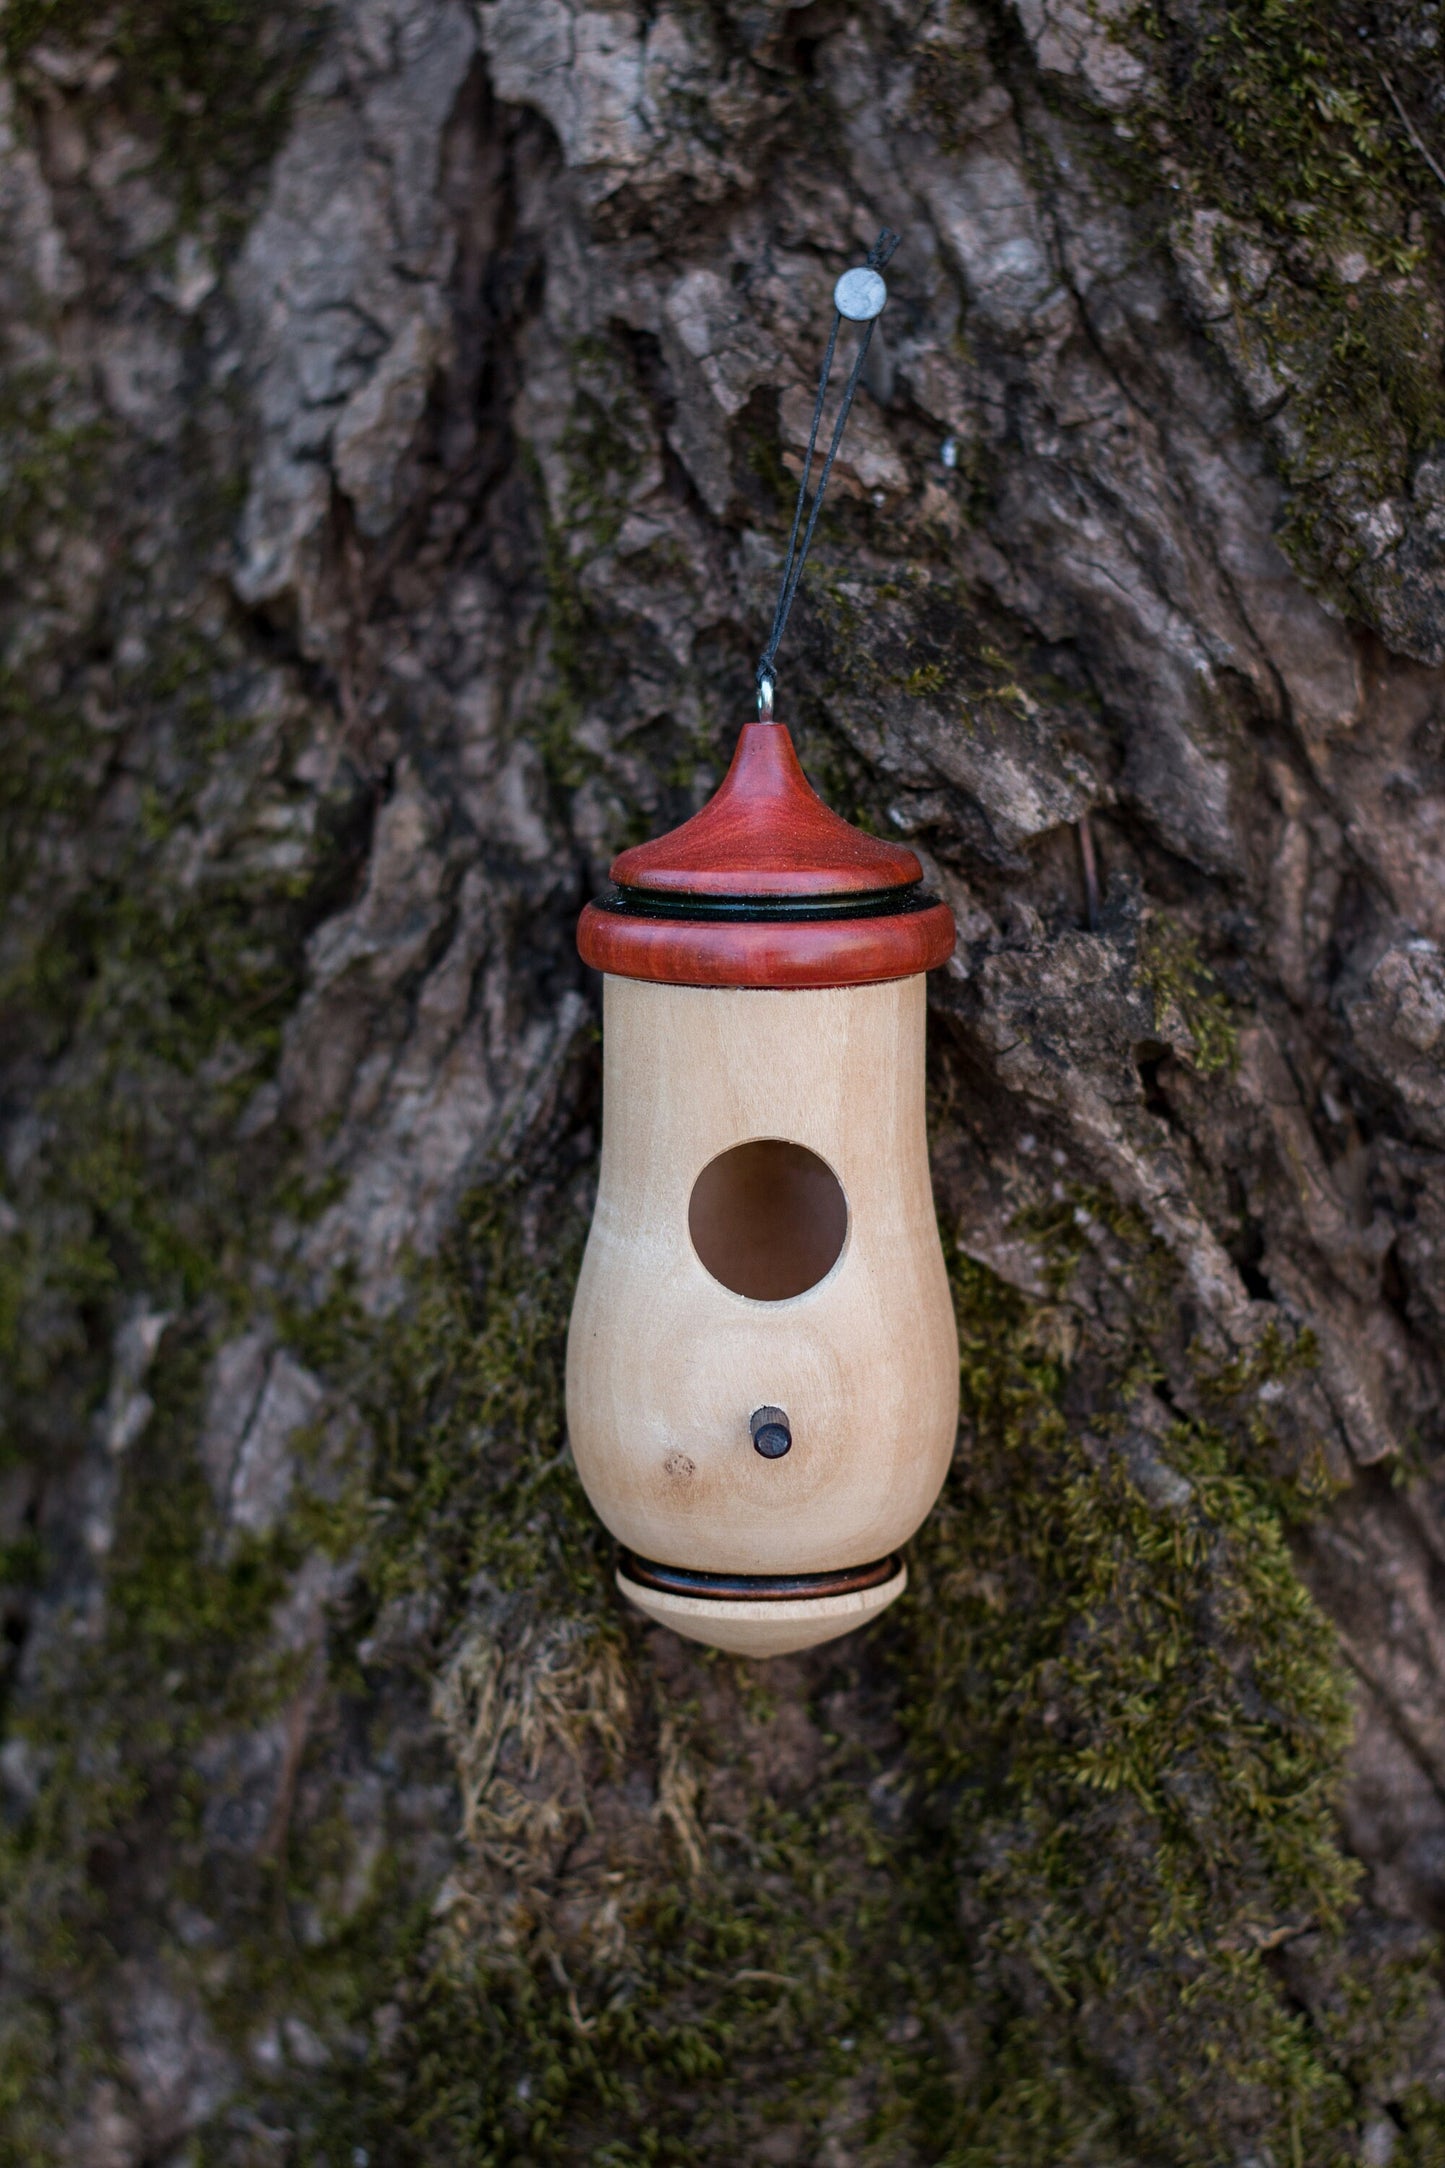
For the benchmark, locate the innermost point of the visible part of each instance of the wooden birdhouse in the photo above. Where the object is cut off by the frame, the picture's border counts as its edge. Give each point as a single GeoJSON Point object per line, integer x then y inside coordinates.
{"type": "Point", "coordinates": [762, 1368]}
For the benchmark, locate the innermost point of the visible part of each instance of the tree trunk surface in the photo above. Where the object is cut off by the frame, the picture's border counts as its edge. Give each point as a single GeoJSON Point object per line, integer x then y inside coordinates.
{"type": "Point", "coordinates": [400, 411]}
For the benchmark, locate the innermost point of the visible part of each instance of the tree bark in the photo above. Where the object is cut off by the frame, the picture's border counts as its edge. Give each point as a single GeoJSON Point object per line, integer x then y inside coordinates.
{"type": "Point", "coordinates": [400, 412]}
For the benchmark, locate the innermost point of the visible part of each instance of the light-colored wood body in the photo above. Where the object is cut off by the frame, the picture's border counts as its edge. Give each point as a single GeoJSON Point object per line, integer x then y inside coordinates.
{"type": "Point", "coordinates": [665, 1365]}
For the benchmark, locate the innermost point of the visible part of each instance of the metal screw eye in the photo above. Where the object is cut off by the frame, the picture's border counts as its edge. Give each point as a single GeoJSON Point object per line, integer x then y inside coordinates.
{"type": "Point", "coordinates": [772, 1432]}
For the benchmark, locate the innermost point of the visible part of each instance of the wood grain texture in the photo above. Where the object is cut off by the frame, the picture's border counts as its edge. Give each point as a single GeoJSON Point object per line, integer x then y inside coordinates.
{"type": "Point", "coordinates": [702, 952]}
{"type": "Point", "coordinates": [665, 1366]}
{"type": "Point", "coordinates": [766, 832]}
{"type": "Point", "coordinates": [765, 1629]}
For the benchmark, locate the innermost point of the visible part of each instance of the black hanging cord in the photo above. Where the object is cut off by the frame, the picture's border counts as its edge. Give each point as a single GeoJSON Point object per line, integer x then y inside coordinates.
{"type": "Point", "coordinates": [797, 556]}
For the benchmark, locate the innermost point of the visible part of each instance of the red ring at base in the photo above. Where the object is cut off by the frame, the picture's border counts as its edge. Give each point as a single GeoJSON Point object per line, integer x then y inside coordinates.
{"type": "Point", "coordinates": [766, 952]}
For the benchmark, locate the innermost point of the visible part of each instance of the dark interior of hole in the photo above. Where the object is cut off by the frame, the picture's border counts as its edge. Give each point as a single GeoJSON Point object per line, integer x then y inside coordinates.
{"type": "Point", "coordinates": [768, 1219]}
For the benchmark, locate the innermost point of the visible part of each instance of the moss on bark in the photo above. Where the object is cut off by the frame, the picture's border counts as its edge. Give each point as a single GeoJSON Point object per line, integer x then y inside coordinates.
{"type": "Point", "coordinates": [1047, 1867]}
{"type": "Point", "coordinates": [1070, 1924]}
{"type": "Point", "coordinates": [1296, 143]}
{"type": "Point", "coordinates": [211, 83]}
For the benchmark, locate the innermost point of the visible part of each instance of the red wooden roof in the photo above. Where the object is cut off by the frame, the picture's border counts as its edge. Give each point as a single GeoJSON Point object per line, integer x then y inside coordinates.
{"type": "Point", "coordinates": [766, 832]}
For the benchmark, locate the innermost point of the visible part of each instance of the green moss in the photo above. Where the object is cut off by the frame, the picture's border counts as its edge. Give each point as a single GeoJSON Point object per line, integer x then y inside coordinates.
{"type": "Point", "coordinates": [153, 993]}
{"type": "Point", "coordinates": [150, 994]}
{"type": "Point", "coordinates": [763, 454]}
{"type": "Point", "coordinates": [165, 1018]}
{"type": "Point", "coordinates": [49, 462]}
{"type": "Point", "coordinates": [603, 453]}
{"type": "Point", "coordinates": [498, 2050]}
{"type": "Point", "coordinates": [1278, 1356]}
{"type": "Point", "coordinates": [211, 80]}
{"type": "Point", "coordinates": [502, 2064]}
{"type": "Point", "coordinates": [1059, 1930]}
{"type": "Point", "coordinates": [184, 1612]}
{"type": "Point", "coordinates": [1368, 363]}
{"type": "Point", "coordinates": [1126, 1726]}
{"type": "Point", "coordinates": [1282, 116]}
{"type": "Point", "coordinates": [1178, 978]}
{"type": "Point", "coordinates": [1291, 118]}
{"type": "Point", "coordinates": [939, 646]}
{"type": "Point", "coordinates": [464, 1394]}
{"type": "Point", "coordinates": [948, 76]}
{"type": "Point", "coordinates": [185, 1646]}
{"type": "Point", "coordinates": [1133, 1720]}
{"type": "Point", "coordinates": [51, 465]}
{"type": "Point", "coordinates": [1053, 1934]}
{"type": "Point", "coordinates": [602, 448]}
{"type": "Point", "coordinates": [140, 1187]}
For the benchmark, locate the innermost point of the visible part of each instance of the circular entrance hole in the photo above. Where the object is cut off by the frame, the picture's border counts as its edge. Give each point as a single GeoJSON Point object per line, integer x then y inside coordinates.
{"type": "Point", "coordinates": [768, 1219]}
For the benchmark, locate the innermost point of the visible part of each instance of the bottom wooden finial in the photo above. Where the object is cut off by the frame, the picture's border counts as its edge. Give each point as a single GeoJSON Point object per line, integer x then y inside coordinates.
{"type": "Point", "coordinates": [767, 1628]}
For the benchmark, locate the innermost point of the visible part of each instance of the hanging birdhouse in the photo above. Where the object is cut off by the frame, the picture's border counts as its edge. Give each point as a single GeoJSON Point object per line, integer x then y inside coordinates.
{"type": "Point", "coordinates": [762, 1366]}
{"type": "Point", "coordinates": [762, 1369]}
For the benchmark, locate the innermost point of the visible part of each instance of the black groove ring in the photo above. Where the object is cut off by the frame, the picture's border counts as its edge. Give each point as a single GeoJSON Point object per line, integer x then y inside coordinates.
{"type": "Point", "coordinates": [755, 1587]}
{"type": "Point", "coordinates": [778, 910]}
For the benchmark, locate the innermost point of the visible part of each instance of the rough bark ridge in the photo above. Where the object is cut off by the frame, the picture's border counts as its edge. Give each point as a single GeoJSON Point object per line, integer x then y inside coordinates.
{"type": "Point", "coordinates": [396, 426]}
